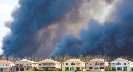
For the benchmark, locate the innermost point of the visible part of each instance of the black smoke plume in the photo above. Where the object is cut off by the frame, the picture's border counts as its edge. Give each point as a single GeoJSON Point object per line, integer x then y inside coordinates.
{"type": "Point", "coordinates": [37, 25]}
{"type": "Point", "coordinates": [113, 37]}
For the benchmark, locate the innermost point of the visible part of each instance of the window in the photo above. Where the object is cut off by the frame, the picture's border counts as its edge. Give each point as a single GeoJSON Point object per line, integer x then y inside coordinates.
{"type": "Point", "coordinates": [101, 64]}
{"type": "Point", "coordinates": [39, 64]}
{"type": "Point", "coordinates": [90, 64]}
{"type": "Point", "coordinates": [124, 63]}
{"type": "Point", "coordinates": [96, 68]}
{"type": "Point", "coordinates": [96, 63]}
{"type": "Point", "coordinates": [77, 64]}
{"type": "Point", "coordinates": [72, 63]}
{"type": "Point", "coordinates": [119, 68]}
{"type": "Point", "coordinates": [114, 68]}
{"type": "Point", "coordinates": [118, 63]}
{"type": "Point", "coordinates": [66, 63]}
{"type": "Point", "coordinates": [49, 64]}
{"type": "Point", "coordinates": [78, 68]}
{"type": "Point", "coordinates": [66, 68]}
{"type": "Point", "coordinates": [90, 67]}
{"type": "Point", "coordinates": [17, 64]}
{"type": "Point", "coordinates": [101, 67]}
{"type": "Point", "coordinates": [113, 64]}
{"type": "Point", "coordinates": [1, 69]}
{"type": "Point", "coordinates": [45, 63]}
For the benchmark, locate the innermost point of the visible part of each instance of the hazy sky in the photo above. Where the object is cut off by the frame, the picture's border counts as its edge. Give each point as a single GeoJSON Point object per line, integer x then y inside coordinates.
{"type": "Point", "coordinates": [6, 6]}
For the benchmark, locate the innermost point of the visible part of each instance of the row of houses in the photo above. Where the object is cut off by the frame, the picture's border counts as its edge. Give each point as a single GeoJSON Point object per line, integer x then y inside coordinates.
{"type": "Point", "coordinates": [69, 65]}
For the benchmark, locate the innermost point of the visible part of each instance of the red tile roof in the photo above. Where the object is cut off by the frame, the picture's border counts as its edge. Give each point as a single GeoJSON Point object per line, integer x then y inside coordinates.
{"type": "Point", "coordinates": [3, 62]}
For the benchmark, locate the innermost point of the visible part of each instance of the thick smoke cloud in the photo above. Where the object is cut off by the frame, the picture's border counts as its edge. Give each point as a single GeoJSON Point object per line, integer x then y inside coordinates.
{"type": "Point", "coordinates": [34, 24]}
{"type": "Point", "coordinates": [114, 36]}
{"type": "Point", "coordinates": [109, 1]}
{"type": "Point", "coordinates": [38, 25]}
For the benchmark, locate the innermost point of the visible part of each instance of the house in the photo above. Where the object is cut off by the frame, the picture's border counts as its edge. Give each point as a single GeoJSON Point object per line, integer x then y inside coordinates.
{"type": "Point", "coordinates": [11, 64]}
{"type": "Point", "coordinates": [25, 64]}
{"type": "Point", "coordinates": [121, 64]}
{"type": "Point", "coordinates": [49, 65]}
{"type": "Point", "coordinates": [73, 64]}
{"type": "Point", "coordinates": [6, 65]}
{"type": "Point", "coordinates": [34, 64]}
{"type": "Point", "coordinates": [97, 64]}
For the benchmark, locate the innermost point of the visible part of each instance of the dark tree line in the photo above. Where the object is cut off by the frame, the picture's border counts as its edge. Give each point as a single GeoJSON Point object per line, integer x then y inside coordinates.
{"type": "Point", "coordinates": [67, 57]}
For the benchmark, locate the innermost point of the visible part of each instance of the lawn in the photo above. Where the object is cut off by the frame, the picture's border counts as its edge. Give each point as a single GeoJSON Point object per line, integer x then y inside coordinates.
{"type": "Point", "coordinates": [75, 71]}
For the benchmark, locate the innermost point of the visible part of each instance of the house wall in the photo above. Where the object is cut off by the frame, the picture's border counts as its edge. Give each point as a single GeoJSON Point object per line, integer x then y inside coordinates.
{"type": "Point", "coordinates": [11, 65]}
{"type": "Point", "coordinates": [50, 65]}
{"type": "Point", "coordinates": [131, 66]}
{"type": "Point", "coordinates": [58, 65]}
{"type": "Point", "coordinates": [81, 65]}
{"type": "Point", "coordinates": [96, 65]}
{"type": "Point", "coordinates": [4, 65]}
{"type": "Point", "coordinates": [24, 63]}
{"type": "Point", "coordinates": [34, 65]}
{"type": "Point", "coordinates": [114, 64]}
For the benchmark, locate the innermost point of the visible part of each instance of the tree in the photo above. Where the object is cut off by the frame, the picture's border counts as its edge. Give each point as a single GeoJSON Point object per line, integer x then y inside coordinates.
{"type": "Point", "coordinates": [57, 57]}
{"type": "Point", "coordinates": [125, 68]}
{"type": "Point", "coordinates": [81, 57]}
{"type": "Point", "coordinates": [109, 66]}
{"type": "Point", "coordinates": [9, 58]}
{"type": "Point", "coordinates": [4, 57]}
{"type": "Point", "coordinates": [66, 57]}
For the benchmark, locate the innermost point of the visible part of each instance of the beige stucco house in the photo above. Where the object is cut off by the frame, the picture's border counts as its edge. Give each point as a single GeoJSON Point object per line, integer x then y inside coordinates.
{"type": "Point", "coordinates": [49, 64]}
{"type": "Point", "coordinates": [25, 64]}
{"type": "Point", "coordinates": [73, 64]}
{"type": "Point", "coordinates": [97, 64]}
